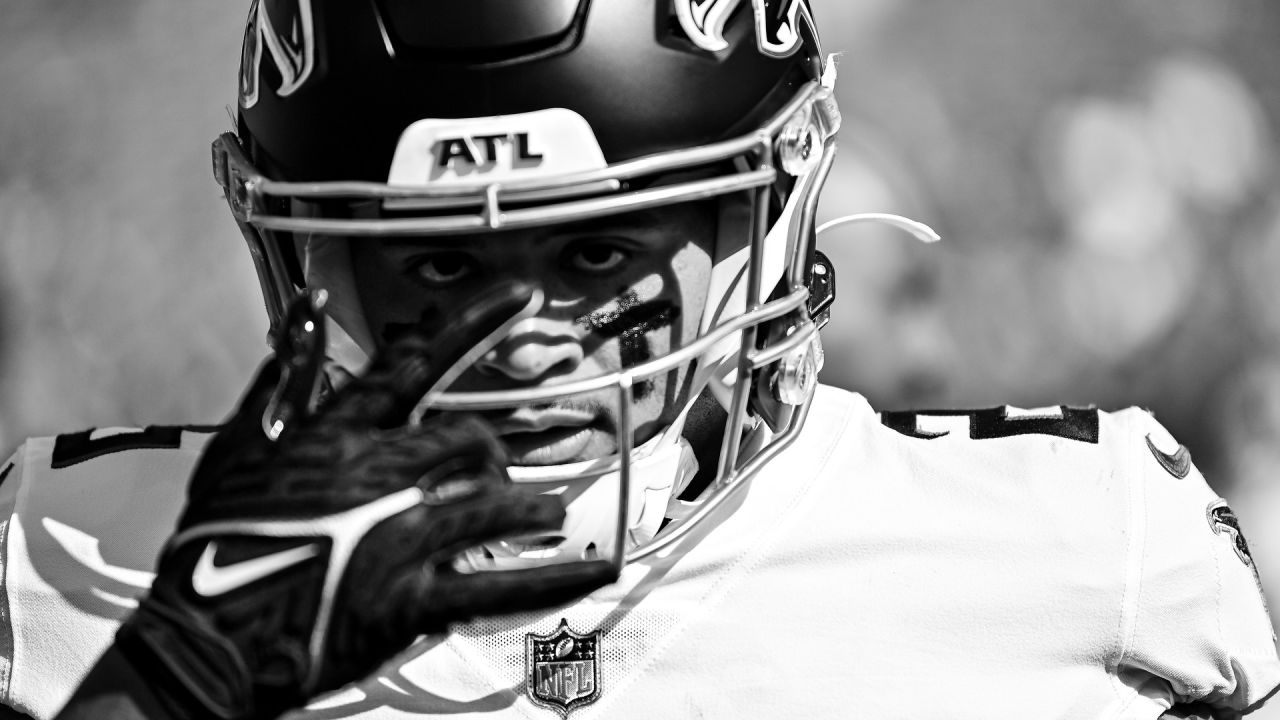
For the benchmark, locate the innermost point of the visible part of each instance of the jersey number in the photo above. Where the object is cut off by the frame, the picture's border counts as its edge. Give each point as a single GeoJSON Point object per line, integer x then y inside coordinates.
{"type": "Point", "coordinates": [1064, 422]}
{"type": "Point", "coordinates": [75, 448]}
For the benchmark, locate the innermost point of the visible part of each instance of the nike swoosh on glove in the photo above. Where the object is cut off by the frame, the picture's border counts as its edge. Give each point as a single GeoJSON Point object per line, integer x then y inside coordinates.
{"type": "Point", "coordinates": [317, 543]}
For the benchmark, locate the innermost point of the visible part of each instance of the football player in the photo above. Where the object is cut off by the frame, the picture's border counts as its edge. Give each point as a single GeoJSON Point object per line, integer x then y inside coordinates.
{"type": "Point", "coordinates": [542, 435]}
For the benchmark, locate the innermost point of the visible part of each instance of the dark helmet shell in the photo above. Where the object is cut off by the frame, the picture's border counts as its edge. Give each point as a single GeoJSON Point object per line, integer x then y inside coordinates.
{"type": "Point", "coordinates": [370, 68]}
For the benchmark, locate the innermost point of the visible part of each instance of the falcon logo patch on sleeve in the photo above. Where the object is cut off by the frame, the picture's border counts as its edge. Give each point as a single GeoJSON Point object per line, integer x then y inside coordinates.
{"type": "Point", "coordinates": [1223, 521]}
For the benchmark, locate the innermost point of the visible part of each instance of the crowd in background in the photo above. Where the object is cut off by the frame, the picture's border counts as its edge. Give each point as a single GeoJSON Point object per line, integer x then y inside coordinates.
{"type": "Point", "coordinates": [1103, 173]}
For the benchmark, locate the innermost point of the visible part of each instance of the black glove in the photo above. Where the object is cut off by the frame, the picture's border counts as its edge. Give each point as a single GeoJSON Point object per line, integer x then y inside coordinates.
{"type": "Point", "coordinates": [302, 563]}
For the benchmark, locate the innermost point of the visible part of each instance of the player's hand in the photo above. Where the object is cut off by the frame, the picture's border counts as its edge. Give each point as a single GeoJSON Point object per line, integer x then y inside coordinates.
{"type": "Point", "coordinates": [303, 562]}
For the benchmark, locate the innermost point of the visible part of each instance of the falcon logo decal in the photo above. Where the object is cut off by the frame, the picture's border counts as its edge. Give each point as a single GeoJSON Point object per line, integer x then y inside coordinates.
{"type": "Point", "coordinates": [1223, 521]}
{"type": "Point", "coordinates": [562, 669]}
{"type": "Point", "coordinates": [283, 31]}
{"type": "Point", "coordinates": [778, 23]}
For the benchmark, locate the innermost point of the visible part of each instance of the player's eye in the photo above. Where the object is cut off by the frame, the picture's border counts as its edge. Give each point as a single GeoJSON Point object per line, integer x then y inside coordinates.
{"type": "Point", "coordinates": [442, 268]}
{"type": "Point", "coordinates": [596, 257]}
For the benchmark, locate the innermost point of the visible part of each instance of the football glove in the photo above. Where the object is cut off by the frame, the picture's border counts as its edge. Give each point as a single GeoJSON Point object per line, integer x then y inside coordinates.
{"type": "Point", "coordinates": [318, 537]}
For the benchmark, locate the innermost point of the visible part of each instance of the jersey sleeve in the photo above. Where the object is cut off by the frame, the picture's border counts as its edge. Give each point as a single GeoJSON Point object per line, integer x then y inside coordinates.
{"type": "Point", "coordinates": [1196, 616]}
{"type": "Point", "coordinates": [82, 519]}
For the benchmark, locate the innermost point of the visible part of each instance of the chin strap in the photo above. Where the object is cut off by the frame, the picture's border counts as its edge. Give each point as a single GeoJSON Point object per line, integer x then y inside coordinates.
{"type": "Point", "coordinates": [659, 468]}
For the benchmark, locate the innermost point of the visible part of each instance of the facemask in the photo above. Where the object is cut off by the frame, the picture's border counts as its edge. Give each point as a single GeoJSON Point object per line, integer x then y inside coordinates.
{"type": "Point", "coordinates": [660, 468]}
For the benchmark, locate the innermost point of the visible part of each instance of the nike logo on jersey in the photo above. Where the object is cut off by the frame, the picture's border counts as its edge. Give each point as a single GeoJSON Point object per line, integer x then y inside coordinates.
{"type": "Point", "coordinates": [210, 580]}
{"type": "Point", "coordinates": [1178, 464]}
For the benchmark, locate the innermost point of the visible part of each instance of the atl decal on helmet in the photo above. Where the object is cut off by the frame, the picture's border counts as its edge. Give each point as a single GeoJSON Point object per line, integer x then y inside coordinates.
{"type": "Point", "coordinates": [777, 23]}
{"type": "Point", "coordinates": [482, 150]}
{"type": "Point", "coordinates": [283, 28]}
{"type": "Point", "coordinates": [477, 151]}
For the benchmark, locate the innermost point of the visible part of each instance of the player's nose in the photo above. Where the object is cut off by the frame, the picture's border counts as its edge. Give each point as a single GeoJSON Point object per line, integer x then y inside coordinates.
{"type": "Point", "coordinates": [534, 351]}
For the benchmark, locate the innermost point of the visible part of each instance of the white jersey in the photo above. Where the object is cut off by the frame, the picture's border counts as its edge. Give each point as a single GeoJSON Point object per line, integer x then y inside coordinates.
{"type": "Point", "coordinates": [986, 565]}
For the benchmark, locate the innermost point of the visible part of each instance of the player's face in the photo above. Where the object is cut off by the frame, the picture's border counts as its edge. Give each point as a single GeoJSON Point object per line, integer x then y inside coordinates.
{"type": "Point", "coordinates": [619, 291]}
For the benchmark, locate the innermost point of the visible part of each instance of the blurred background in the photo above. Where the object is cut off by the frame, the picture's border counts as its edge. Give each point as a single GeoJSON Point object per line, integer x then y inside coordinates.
{"type": "Point", "coordinates": [1103, 173]}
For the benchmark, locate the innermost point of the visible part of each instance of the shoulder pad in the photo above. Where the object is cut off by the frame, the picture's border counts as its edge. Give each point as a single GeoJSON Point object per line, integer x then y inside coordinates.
{"type": "Point", "coordinates": [1193, 570]}
{"type": "Point", "coordinates": [85, 516]}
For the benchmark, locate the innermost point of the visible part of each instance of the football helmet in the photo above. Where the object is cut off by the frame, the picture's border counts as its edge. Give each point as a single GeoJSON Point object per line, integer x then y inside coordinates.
{"type": "Point", "coordinates": [455, 117]}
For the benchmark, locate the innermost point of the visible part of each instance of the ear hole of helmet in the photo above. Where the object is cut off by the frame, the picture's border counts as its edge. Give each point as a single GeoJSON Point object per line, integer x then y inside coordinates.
{"type": "Point", "coordinates": [290, 245]}
{"type": "Point", "coordinates": [775, 386]}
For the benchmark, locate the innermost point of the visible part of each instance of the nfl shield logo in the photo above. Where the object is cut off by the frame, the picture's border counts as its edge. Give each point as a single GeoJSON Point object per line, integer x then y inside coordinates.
{"type": "Point", "coordinates": [562, 671]}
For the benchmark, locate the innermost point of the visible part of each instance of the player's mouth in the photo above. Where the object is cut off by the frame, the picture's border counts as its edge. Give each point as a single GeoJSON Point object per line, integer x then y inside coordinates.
{"type": "Point", "coordinates": [547, 436]}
